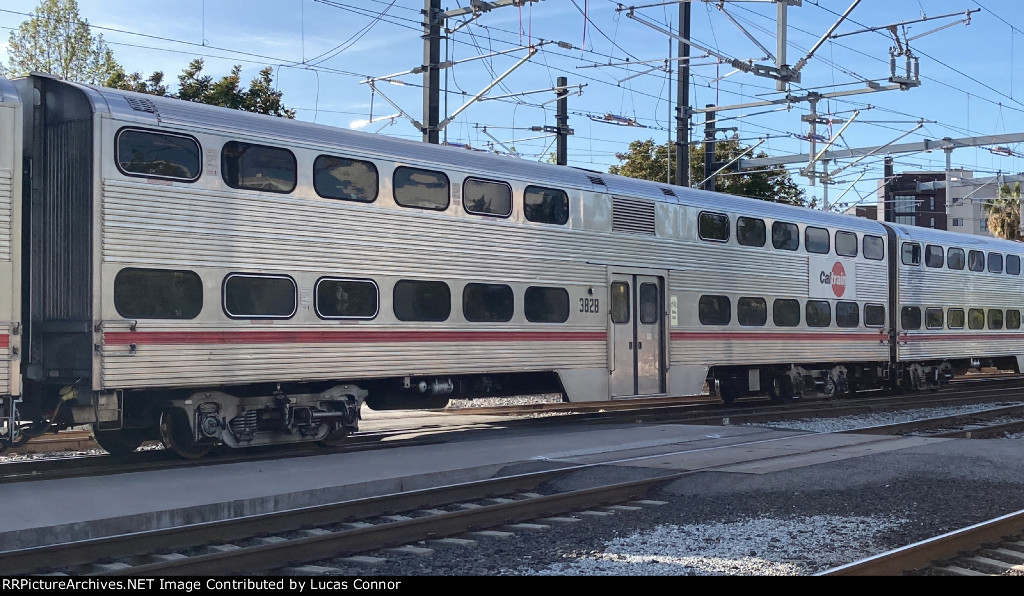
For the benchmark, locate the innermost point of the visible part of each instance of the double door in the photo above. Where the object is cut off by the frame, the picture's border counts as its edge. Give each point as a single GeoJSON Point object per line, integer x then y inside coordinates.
{"type": "Point", "coordinates": [636, 334]}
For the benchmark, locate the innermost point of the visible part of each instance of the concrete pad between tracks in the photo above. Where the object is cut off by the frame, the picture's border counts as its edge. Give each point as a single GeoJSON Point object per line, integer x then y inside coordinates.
{"type": "Point", "coordinates": [57, 511]}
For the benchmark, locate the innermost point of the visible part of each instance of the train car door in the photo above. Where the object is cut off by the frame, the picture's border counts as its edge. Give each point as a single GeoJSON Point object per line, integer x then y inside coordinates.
{"type": "Point", "coordinates": [636, 335]}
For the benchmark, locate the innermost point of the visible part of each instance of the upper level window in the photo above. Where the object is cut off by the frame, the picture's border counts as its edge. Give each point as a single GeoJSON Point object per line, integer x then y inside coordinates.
{"type": "Point", "coordinates": [874, 248]}
{"type": "Point", "coordinates": [158, 294]}
{"type": "Point", "coordinates": [976, 260]}
{"type": "Point", "coordinates": [911, 253]}
{"type": "Point", "coordinates": [933, 256]}
{"type": "Point", "coordinates": [846, 244]}
{"type": "Point", "coordinates": [345, 179]}
{"type": "Point", "coordinates": [816, 240]}
{"type": "Point", "coordinates": [483, 197]}
{"type": "Point", "coordinates": [258, 167]}
{"type": "Point", "coordinates": [1012, 265]}
{"type": "Point", "coordinates": [546, 205]}
{"type": "Point", "coordinates": [416, 300]}
{"type": "Point", "coordinates": [487, 303]}
{"type": "Point", "coordinates": [421, 189]}
{"type": "Point", "coordinates": [346, 298]}
{"type": "Point", "coordinates": [955, 258]}
{"type": "Point", "coordinates": [785, 236]}
{"type": "Point", "coordinates": [546, 305]}
{"type": "Point", "coordinates": [252, 296]}
{"type": "Point", "coordinates": [158, 155]}
{"type": "Point", "coordinates": [750, 231]}
{"type": "Point", "coordinates": [995, 262]}
{"type": "Point", "coordinates": [713, 226]}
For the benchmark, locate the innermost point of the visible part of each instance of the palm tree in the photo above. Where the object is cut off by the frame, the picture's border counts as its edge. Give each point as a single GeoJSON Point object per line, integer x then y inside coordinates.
{"type": "Point", "coordinates": [1004, 213]}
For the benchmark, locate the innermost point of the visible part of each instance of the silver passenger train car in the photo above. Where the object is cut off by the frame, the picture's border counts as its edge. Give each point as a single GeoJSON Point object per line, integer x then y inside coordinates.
{"type": "Point", "coordinates": [206, 276]}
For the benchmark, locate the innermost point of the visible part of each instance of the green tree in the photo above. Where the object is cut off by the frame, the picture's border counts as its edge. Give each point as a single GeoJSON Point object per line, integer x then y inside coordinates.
{"type": "Point", "coordinates": [1004, 213]}
{"type": "Point", "coordinates": [57, 41]}
{"type": "Point", "coordinates": [260, 97]}
{"type": "Point", "coordinates": [648, 161]}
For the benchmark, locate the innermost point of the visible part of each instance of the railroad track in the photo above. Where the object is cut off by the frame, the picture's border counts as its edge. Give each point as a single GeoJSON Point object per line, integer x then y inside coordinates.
{"type": "Point", "coordinates": [272, 542]}
{"type": "Point", "coordinates": [994, 547]}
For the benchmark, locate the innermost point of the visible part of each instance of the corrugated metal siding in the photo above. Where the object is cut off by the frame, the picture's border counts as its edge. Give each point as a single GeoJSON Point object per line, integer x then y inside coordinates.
{"type": "Point", "coordinates": [6, 205]}
{"type": "Point", "coordinates": [746, 351]}
{"type": "Point", "coordinates": [63, 223]}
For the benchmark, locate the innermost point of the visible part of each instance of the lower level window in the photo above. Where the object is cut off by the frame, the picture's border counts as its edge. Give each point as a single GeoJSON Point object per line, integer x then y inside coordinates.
{"type": "Point", "coordinates": [346, 299]}
{"type": "Point", "coordinates": [714, 310]}
{"type": "Point", "coordinates": [250, 296]}
{"type": "Point", "coordinates": [910, 317]}
{"type": "Point", "coordinates": [416, 300]}
{"type": "Point", "coordinates": [158, 294]}
{"type": "Point", "coordinates": [546, 305]}
{"type": "Point", "coordinates": [818, 313]}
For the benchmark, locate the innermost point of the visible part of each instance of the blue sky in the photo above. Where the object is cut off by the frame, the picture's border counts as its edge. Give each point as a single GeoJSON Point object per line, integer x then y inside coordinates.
{"type": "Point", "coordinates": [323, 51]}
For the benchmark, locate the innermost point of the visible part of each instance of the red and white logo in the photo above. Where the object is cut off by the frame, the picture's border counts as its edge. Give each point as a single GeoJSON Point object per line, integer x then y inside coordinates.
{"type": "Point", "coordinates": [836, 279]}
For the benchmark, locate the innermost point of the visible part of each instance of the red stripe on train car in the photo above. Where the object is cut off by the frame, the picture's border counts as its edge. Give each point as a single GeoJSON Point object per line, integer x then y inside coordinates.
{"type": "Point", "coordinates": [340, 337]}
{"type": "Point", "coordinates": [5, 341]}
{"type": "Point", "coordinates": [772, 336]}
{"type": "Point", "coordinates": [963, 337]}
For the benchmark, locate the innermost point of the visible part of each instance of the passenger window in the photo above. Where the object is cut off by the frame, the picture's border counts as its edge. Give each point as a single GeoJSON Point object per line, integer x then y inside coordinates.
{"type": "Point", "coordinates": [345, 179]}
{"type": "Point", "coordinates": [420, 189]}
{"type": "Point", "coordinates": [910, 317]}
{"type": "Point", "coordinates": [955, 318]}
{"type": "Point", "coordinates": [546, 305]}
{"type": "Point", "coordinates": [250, 296]}
{"type": "Point", "coordinates": [158, 155]}
{"type": "Point", "coordinates": [714, 310]}
{"type": "Point", "coordinates": [620, 302]}
{"type": "Point", "coordinates": [911, 253]}
{"type": "Point", "coordinates": [786, 312]}
{"type": "Point", "coordinates": [752, 312]}
{"type": "Point", "coordinates": [995, 262]}
{"type": "Point", "coordinates": [346, 298]}
{"type": "Point", "coordinates": [546, 205]}
{"type": "Point", "coordinates": [955, 258]}
{"type": "Point", "coordinates": [816, 240]}
{"type": "Point", "coordinates": [713, 226]}
{"type": "Point", "coordinates": [487, 303]}
{"type": "Point", "coordinates": [158, 294]}
{"type": "Point", "coordinates": [933, 318]}
{"type": "Point", "coordinates": [650, 304]}
{"type": "Point", "coordinates": [995, 318]}
{"type": "Point", "coordinates": [976, 318]}
{"type": "Point", "coordinates": [258, 167]}
{"type": "Point", "coordinates": [1012, 319]}
{"type": "Point", "coordinates": [818, 313]}
{"type": "Point", "coordinates": [750, 231]}
{"type": "Point", "coordinates": [846, 245]}
{"type": "Point", "coordinates": [874, 248]}
{"type": "Point", "coordinates": [976, 260]}
{"type": "Point", "coordinates": [785, 236]}
{"type": "Point", "coordinates": [415, 300]}
{"type": "Point", "coordinates": [1012, 265]}
{"type": "Point", "coordinates": [874, 315]}
{"type": "Point", "coordinates": [847, 314]}
{"type": "Point", "coordinates": [482, 197]}
{"type": "Point", "coordinates": [933, 256]}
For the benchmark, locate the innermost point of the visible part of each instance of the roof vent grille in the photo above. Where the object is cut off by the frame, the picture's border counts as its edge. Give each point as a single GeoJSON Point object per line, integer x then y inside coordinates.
{"type": "Point", "coordinates": [633, 216]}
{"type": "Point", "coordinates": [668, 192]}
{"type": "Point", "coordinates": [596, 180]}
{"type": "Point", "coordinates": [141, 104]}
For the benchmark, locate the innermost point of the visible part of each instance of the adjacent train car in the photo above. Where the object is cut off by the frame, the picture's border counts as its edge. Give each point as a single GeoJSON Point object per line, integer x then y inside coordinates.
{"type": "Point", "coordinates": [208, 276]}
{"type": "Point", "coordinates": [10, 256]}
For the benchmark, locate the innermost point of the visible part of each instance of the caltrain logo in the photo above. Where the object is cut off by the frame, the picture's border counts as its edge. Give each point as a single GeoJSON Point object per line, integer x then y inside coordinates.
{"type": "Point", "coordinates": [836, 279]}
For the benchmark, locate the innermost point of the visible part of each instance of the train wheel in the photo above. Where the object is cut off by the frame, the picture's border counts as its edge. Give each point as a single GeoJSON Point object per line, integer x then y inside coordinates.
{"type": "Point", "coordinates": [335, 438]}
{"type": "Point", "coordinates": [118, 442]}
{"type": "Point", "coordinates": [176, 434]}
